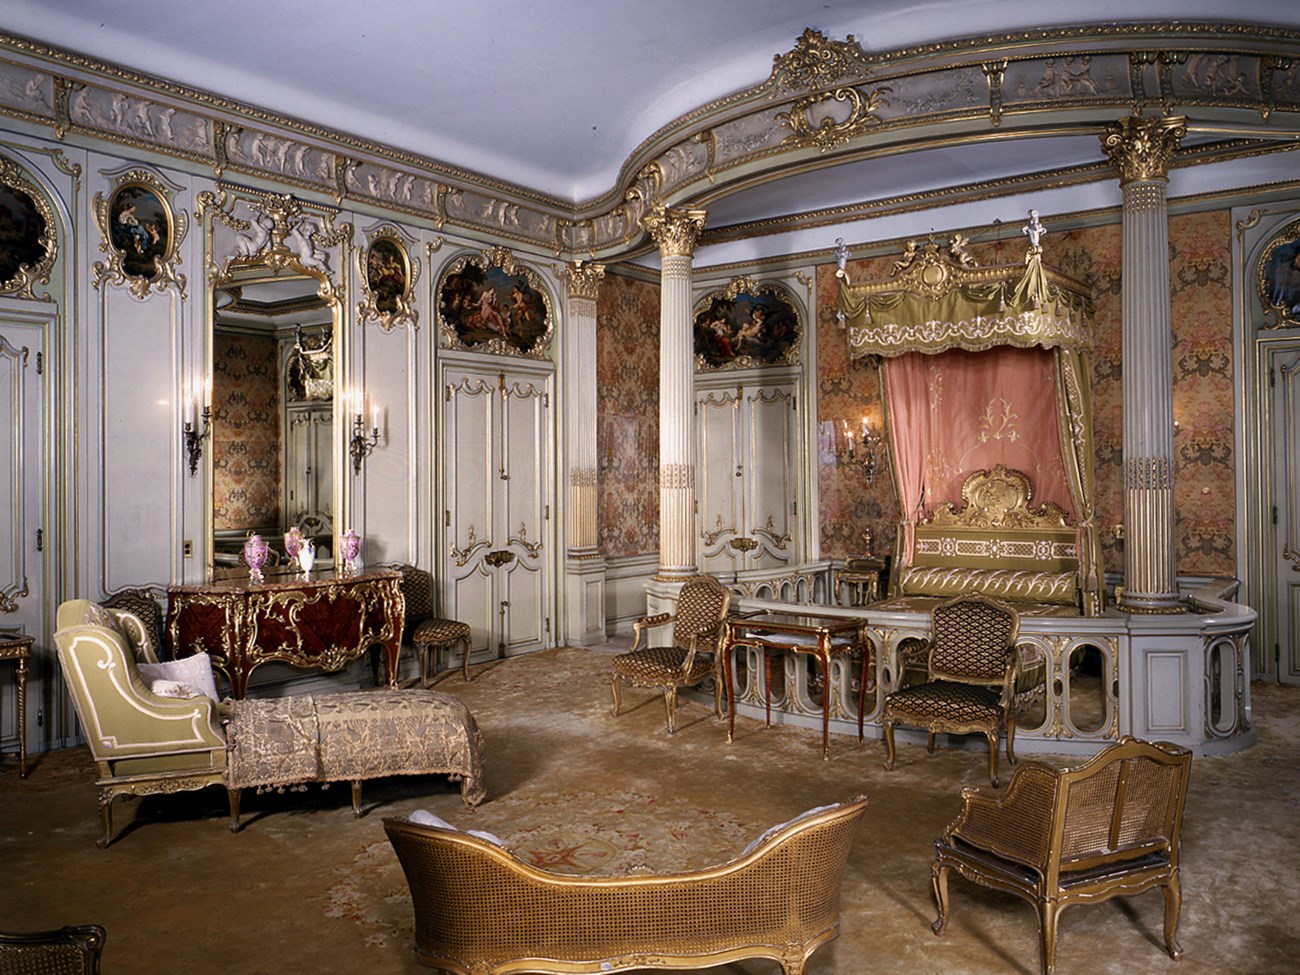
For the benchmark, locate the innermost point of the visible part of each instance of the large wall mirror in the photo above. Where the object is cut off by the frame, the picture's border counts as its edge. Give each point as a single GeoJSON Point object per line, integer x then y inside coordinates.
{"type": "Point", "coordinates": [274, 449]}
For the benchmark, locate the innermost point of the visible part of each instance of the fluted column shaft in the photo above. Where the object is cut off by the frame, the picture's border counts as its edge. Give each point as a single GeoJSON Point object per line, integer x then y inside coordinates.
{"type": "Point", "coordinates": [1142, 149]}
{"type": "Point", "coordinates": [583, 281]}
{"type": "Point", "coordinates": [676, 231]}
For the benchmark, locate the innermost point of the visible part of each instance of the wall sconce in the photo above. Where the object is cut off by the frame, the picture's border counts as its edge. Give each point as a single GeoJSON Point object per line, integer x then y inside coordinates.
{"type": "Point", "coordinates": [197, 407]}
{"type": "Point", "coordinates": [861, 446]}
{"type": "Point", "coordinates": [363, 444]}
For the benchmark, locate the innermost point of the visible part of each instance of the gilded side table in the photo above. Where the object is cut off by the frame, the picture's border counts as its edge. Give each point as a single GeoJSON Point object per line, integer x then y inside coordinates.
{"type": "Point", "coordinates": [18, 648]}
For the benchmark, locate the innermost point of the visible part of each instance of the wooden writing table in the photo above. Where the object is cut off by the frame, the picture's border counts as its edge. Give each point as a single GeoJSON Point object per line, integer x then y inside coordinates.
{"type": "Point", "coordinates": [322, 620]}
{"type": "Point", "coordinates": [823, 637]}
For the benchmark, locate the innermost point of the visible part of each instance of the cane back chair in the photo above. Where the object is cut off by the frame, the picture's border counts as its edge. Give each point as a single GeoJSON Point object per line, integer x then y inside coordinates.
{"type": "Point", "coordinates": [971, 678]}
{"type": "Point", "coordinates": [72, 950]}
{"type": "Point", "coordinates": [481, 910]}
{"type": "Point", "coordinates": [1075, 836]}
{"type": "Point", "coordinates": [694, 655]}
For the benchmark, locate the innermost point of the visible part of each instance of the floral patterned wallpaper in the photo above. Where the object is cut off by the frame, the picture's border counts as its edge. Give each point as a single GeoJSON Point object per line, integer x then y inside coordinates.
{"type": "Point", "coordinates": [245, 432]}
{"type": "Point", "coordinates": [1205, 460]}
{"type": "Point", "coordinates": [627, 417]}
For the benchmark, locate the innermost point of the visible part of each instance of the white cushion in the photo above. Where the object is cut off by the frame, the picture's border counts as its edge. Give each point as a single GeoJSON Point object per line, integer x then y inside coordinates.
{"type": "Point", "coordinates": [768, 834]}
{"type": "Point", "coordinates": [422, 817]}
{"type": "Point", "coordinates": [192, 672]}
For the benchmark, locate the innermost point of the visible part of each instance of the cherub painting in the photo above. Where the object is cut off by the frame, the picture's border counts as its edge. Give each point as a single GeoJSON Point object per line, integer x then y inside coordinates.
{"type": "Point", "coordinates": [140, 227]}
{"type": "Point", "coordinates": [484, 305]}
{"type": "Point", "coordinates": [758, 328]}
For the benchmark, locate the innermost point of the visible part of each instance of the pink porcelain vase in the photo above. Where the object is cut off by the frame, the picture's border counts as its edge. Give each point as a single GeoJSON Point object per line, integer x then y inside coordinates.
{"type": "Point", "coordinates": [256, 553]}
{"type": "Point", "coordinates": [350, 549]}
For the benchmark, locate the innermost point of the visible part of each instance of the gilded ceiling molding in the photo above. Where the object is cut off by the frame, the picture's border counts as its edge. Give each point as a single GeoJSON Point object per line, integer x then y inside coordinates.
{"type": "Point", "coordinates": [583, 280]}
{"type": "Point", "coordinates": [827, 132]}
{"type": "Point", "coordinates": [674, 231]}
{"type": "Point", "coordinates": [1142, 148]}
{"type": "Point", "coordinates": [817, 62]}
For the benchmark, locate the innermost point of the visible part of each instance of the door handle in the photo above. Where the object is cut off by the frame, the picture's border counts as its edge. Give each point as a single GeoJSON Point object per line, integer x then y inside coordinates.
{"type": "Point", "coordinates": [499, 557]}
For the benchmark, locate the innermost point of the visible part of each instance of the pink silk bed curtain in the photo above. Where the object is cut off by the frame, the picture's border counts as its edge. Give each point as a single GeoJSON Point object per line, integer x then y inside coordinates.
{"type": "Point", "coordinates": [958, 412]}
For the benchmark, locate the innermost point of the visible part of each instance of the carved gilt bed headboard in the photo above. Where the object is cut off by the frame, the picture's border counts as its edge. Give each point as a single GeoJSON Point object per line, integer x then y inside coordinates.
{"type": "Point", "coordinates": [995, 543]}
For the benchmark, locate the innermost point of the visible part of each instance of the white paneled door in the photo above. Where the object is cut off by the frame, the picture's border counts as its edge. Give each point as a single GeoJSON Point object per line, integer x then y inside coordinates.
{"type": "Point", "coordinates": [1284, 411]}
{"type": "Point", "coordinates": [497, 564]}
{"type": "Point", "coordinates": [748, 481]}
{"type": "Point", "coordinates": [23, 532]}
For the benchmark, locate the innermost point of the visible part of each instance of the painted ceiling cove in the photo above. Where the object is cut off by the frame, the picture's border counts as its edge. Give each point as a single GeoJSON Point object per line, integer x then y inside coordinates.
{"type": "Point", "coordinates": [555, 96]}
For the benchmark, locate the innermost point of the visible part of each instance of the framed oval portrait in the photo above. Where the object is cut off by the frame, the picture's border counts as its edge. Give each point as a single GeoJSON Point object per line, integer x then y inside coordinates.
{"type": "Point", "coordinates": [140, 229]}
{"type": "Point", "coordinates": [27, 246]}
{"type": "Point", "coordinates": [1279, 276]}
{"type": "Point", "coordinates": [388, 277]}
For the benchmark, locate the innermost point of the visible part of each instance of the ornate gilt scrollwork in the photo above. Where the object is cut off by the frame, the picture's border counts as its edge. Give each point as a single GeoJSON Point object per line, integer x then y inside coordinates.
{"type": "Point", "coordinates": [1142, 148]}
{"type": "Point", "coordinates": [39, 245]}
{"type": "Point", "coordinates": [141, 235]}
{"type": "Point", "coordinates": [816, 61]}
{"type": "Point", "coordinates": [827, 132]}
{"type": "Point", "coordinates": [675, 231]}
{"type": "Point", "coordinates": [388, 277]}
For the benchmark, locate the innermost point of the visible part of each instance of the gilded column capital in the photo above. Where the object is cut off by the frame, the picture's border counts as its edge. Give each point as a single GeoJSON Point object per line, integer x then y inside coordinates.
{"type": "Point", "coordinates": [583, 280]}
{"type": "Point", "coordinates": [1141, 148]}
{"type": "Point", "coordinates": [674, 230]}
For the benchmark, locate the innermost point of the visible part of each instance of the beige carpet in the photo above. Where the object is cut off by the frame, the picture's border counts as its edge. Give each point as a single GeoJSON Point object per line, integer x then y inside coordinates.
{"type": "Point", "coordinates": [306, 887]}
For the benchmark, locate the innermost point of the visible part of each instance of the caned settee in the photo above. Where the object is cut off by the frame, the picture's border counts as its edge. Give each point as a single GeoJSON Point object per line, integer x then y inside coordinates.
{"type": "Point", "coordinates": [480, 910]}
{"type": "Point", "coordinates": [152, 733]}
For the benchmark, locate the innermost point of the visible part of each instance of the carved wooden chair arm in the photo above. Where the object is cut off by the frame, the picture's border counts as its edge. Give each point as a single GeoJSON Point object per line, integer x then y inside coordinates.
{"type": "Point", "coordinates": [649, 623]}
{"type": "Point", "coordinates": [1016, 823]}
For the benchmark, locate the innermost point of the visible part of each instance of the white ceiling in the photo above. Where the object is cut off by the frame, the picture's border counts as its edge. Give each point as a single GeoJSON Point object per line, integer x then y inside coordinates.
{"type": "Point", "coordinates": [555, 95]}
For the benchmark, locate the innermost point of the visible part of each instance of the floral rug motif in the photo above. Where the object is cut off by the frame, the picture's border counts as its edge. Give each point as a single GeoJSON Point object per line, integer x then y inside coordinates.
{"type": "Point", "coordinates": [619, 834]}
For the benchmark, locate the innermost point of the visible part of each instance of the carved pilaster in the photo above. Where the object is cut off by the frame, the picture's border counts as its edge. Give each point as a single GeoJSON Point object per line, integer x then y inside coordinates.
{"type": "Point", "coordinates": [1142, 148]}
{"type": "Point", "coordinates": [582, 280]}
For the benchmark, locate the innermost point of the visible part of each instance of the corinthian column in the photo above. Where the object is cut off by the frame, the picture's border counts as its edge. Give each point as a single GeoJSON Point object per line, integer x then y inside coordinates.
{"type": "Point", "coordinates": [675, 231]}
{"type": "Point", "coordinates": [1141, 149]}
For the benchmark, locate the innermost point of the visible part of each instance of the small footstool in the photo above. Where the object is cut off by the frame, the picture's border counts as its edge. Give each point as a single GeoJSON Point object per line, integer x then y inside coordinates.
{"type": "Point", "coordinates": [436, 632]}
{"type": "Point", "coordinates": [352, 736]}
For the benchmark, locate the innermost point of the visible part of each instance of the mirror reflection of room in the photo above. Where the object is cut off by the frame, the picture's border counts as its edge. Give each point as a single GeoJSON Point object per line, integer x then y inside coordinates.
{"type": "Point", "coordinates": [273, 408]}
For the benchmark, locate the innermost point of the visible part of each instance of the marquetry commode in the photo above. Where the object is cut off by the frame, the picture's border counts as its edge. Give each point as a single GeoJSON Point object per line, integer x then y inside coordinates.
{"type": "Point", "coordinates": [321, 620]}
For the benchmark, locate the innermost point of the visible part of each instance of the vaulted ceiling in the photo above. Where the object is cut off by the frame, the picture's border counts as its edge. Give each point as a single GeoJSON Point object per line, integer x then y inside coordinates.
{"type": "Point", "coordinates": [554, 98]}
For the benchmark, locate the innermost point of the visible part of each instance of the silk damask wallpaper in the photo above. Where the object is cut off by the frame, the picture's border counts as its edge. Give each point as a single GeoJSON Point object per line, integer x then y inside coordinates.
{"type": "Point", "coordinates": [627, 417]}
{"type": "Point", "coordinates": [245, 432]}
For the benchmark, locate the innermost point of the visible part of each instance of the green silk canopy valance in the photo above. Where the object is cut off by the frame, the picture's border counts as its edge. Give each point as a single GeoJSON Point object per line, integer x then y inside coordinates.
{"type": "Point", "coordinates": [940, 299]}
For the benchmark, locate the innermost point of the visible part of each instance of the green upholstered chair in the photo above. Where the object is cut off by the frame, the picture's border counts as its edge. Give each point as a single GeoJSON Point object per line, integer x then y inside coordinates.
{"type": "Point", "coordinates": [970, 687]}
{"type": "Point", "coordinates": [694, 654]}
{"type": "Point", "coordinates": [143, 743]}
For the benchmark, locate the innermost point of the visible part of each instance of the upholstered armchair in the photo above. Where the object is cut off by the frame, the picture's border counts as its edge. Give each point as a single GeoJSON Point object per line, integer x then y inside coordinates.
{"type": "Point", "coordinates": [970, 685]}
{"type": "Point", "coordinates": [694, 654]}
{"type": "Point", "coordinates": [72, 950]}
{"type": "Point", "coordinates": [143, 743]}
{"type": "Point", "coordinates": [1057, 838]}
{"type": "Point", "coordinates": [480, 910]}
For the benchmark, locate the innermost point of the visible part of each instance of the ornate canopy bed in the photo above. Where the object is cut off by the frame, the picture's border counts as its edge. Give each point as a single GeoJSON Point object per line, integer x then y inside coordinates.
{"type": "Point", "coordinates": [984, 379]}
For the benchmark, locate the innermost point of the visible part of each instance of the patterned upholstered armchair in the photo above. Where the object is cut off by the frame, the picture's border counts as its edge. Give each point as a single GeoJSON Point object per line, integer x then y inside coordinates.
{"type": "Point", "coordinates": [1075, 836]}
{"type": "Point", "coordinates": [424, 630]}
{"type": "Point", "coordinates": [970, 685]}
{"type": "Point", "coordinates": [73, 950]}
{"type": "Point", "coordinates": [480, 910]}
{"type": "Point", "coordinates": [694, 654]}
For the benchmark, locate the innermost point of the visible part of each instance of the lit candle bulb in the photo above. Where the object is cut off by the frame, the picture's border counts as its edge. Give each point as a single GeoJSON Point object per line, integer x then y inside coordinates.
{"type": "Point", "coordinates": [374, 416]}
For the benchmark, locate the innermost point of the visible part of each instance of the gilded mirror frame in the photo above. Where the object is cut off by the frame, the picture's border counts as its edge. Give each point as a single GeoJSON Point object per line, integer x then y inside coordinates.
{"type": "Point", "coordinates": [274, 237]}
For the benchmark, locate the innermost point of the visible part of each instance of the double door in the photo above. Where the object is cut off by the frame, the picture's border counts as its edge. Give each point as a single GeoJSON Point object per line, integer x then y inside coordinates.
{"type": "Point", "coordinates": [497, 560]}
{"type": "Point", "coordinates": [748, 463]}
{"type": "Point", "coordinates": [309, 468]}
{"type": "Point", "coordinates": [1283, 391]}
